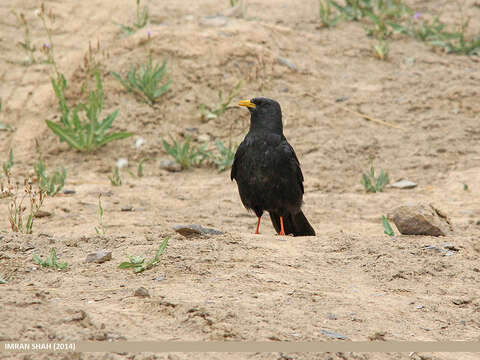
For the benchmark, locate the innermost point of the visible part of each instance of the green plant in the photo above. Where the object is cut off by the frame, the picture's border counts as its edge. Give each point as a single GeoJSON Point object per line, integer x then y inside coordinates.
{"type": "Point", "coordinates": [140, 167]}
{"type": "Point", "coordinates": [51, 261]}
{"type": "Point", "coordinates": [101, 228]}
{"type": "Point", "coordinates": [147, 83]}
{"type": "Point", "coordinates": [7, 165]}
{"type": "Point", "coordinates": [387, 229]}
{"type": "Point", "coordinates": [16, 208]}
{"type": "Point", "coordinates": [52, 185]}
{"type": "Point", "coordinates": [224, 159]}
{"type": "Point", "coordinates": [327, 17]}
{"type": "Point", "coordinates": [207, 112]}
{"type": "Point", "coordinates": [142, 16]}
{"type": "Point", "coordinates": [115, 179]}
{"type": "Point", "coordinates": [2, 125]}
{"type": "Point", "coordinates": [381, 49]}
{"type": "Point", "coordinates": [27, 43]}
{"type": "Point", "coordinates": [185, 154]}
{"type": "Point", "coordinates": [80, 126]}
{"type": "Point", "coordinates": [352, 10]}
{"type": "Point", "coordinates": [372, 183]}
{"type": "Point", "coordinates": [3, 281]}
{"type": "Point", "coordinates": [138, 262]}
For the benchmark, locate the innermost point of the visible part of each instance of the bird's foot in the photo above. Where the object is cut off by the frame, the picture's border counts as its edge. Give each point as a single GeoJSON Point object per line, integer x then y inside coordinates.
{"type": "Point", "coordinates": [282, 231]}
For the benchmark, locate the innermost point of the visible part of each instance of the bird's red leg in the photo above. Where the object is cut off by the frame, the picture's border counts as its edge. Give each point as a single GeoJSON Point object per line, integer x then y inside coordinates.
{"type": "Point", "coordinates": [282, 232]}
{"type": "Point", "coordinates": [258, 225]}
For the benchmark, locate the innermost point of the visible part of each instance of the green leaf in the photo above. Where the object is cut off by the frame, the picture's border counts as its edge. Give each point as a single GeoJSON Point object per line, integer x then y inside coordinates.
{"type": "Point", "coordinates": [60, 132]}
{"type": "Point", "coordinates": [113, 137]}
{"type": "Point", "coordinates": [387, 229]}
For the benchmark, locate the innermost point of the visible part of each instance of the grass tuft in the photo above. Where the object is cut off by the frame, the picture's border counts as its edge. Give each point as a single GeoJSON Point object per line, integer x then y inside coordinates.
{"type": "Point", "coordinates": [138, 262]}
{"type": "Point", "coordinates": [373, 183]}
{"type": "Point", "coordinates": [146, 81]}
{"type": "Point", "coordinates": [51, 261]}
{"type": "Point", "coordinates": [186, 154]}
{"type": "Point", "coordinates": [80, 127]}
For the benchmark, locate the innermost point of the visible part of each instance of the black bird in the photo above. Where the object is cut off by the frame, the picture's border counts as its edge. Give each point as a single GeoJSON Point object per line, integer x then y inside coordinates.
{"type": "Point", "coordinates": [268, 172]}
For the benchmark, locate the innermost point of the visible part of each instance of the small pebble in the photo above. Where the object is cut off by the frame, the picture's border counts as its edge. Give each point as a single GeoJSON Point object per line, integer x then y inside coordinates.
{"type": "Point", "coordinates": [334, 335]}
{"type": "Point", "coordinates": [286, 62]}
{"type": "Point", "coordinates": [404, 184]}
{"type": "Point", "coordinates": [331, 316]}
{"type": "Point", "coordinates": [127, 208]}
{"type": "Point", "coordinates": [69, 191]}
{"type": "Point", "coordinates": [170, 165]}
{"type": "Point", "coordinates": [99, 257]}
{"type": "Point", "coordinates": [194, 229]}
{"type": "Point", "coordinates": [214, 21]}
{"type": "Point", "coordinates": [42, 213]}
{"type": "Point", "coordinates": [141, 292]}
{"type": "Point", "coordinates": [418, 307]}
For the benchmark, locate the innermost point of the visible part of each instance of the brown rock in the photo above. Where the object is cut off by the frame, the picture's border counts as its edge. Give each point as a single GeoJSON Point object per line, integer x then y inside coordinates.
{"type": "Point", "coordinates": [421, 219]}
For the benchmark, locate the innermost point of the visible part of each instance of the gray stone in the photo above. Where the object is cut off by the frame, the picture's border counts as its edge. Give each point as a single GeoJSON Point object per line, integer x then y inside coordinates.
{"type": "Point", "coordinates": [214, 21]}
{"type": "Point", "coordinates": [421, 219]}
{"type": "Point", "coordinates": [286, 62]}
{"type": "Point", "coordinates": [404, 184]}
{"type": "Point", "coordinates": [195, 230]}
{"type": "Point", "coordinates": [170, 165]}
{"type": "Point", "coordinates": [334, 335]}
{"type": "Point", "coordinates": [99, 256]}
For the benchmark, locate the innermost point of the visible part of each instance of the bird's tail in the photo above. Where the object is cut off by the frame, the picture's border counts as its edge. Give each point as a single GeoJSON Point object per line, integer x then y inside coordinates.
{"type": "Point", "coordinates": [296, 224]}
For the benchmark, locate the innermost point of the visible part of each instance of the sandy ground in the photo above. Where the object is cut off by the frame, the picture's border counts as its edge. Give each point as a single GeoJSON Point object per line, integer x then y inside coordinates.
{"type": "Point", "coordinates": [350, 279]}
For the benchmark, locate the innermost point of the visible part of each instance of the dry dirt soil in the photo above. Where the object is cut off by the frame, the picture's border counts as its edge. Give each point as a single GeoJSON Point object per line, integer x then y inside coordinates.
{"type": "Point", "coordinates": [350, 279]}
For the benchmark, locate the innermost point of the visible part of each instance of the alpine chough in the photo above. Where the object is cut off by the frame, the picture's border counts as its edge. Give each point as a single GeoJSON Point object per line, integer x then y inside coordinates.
{"type": "Point", "coordinates": [268, 172]}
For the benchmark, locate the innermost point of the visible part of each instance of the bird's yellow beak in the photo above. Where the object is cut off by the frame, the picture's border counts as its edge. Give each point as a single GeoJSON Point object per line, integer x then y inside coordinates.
{"type": "Point", "coordinates": [246, 103]}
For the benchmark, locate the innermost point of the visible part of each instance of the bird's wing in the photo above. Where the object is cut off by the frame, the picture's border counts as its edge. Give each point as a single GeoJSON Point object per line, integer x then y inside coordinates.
{"type": "Point", "coordinates": [240, 151]}
{"type": "Point", "coordinates": [293, 161]}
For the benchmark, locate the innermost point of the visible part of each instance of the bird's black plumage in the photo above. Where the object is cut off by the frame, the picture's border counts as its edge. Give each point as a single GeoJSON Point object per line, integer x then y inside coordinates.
{"type": "Point", "coordinates": [267, 170]}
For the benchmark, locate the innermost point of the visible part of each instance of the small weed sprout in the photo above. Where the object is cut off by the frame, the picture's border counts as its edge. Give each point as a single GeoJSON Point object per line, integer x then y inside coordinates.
{"type": "Point", "coordinates": [386, 17]}
{"type": "Point", "coordinates": [142, 16]}
{"type": "Point", "coordinates": [80, 126]}
{"type": "Point", "coordinates": [140, 167]}
{"type": "Point", "coordinates": [207, 113]}
{"type": "Point", "coordinates": [51, 261]}
{"type": "Point", "coordinates": [91, 66]}
{"type": "Point", "coordinates": [7, 165]}
{"type": "Point", "coordinates": [100, 230]}
{"type": "Point", "coordinates": [138, 262]}
{"type": "Point", "coordinates": [352, 9]}
{"type": "Point", "coordinates": [372, 183]}
{"type": "Point", "coordinates": [17, 209]}
{"type": "Point", "coordinates": [48, 48]}
{"type": "Point", "coordinates": [387, 229]}
{"type": "Point", "coordinates": [51, 184]}
{"type": "Point", "coordinates": [27, 43]}
{"type": "Point", "coordinates": [185, 154]}
{"type": "Point", "coordinates": [115, 179]}
{"type": "Point", "coordinates": [327, 16]}
{"type": "Point", "coordinates": [146, 81]}
{"type": "Point", "coordinates": [381, 49]}
{"type": "Point", "coordinates": [2, 125]}
{"type": "Point", "coordinates": [224, 159]}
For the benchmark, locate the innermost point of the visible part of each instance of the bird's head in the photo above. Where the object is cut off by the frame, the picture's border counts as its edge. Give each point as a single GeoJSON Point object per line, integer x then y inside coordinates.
{"type": "Point", "coordinates": [265, 114]}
